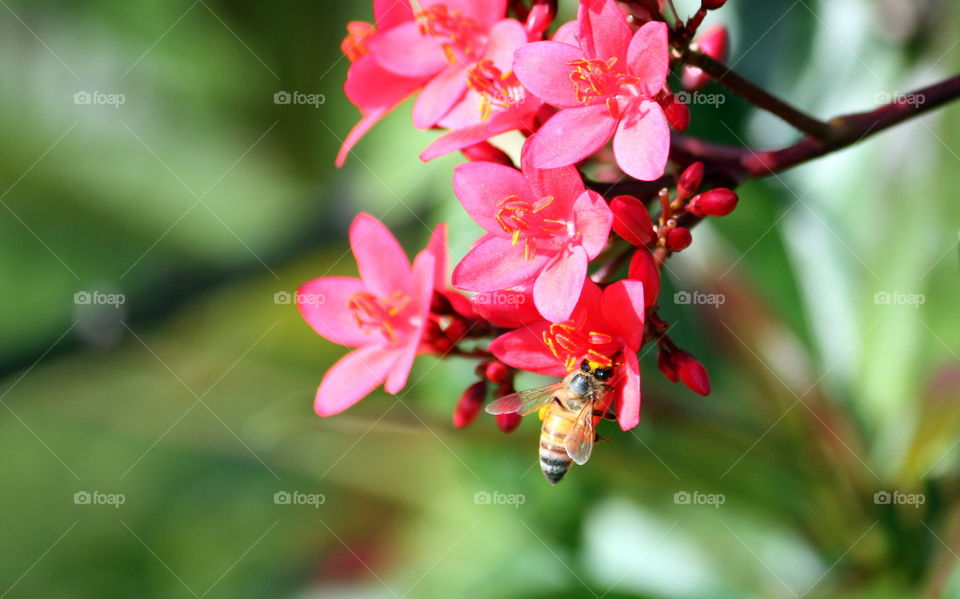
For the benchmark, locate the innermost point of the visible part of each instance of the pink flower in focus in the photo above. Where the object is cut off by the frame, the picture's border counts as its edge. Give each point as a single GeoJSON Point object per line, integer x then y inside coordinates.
{"type": "Point", "coordinates": [606, 328]}
{"type": "Point", "coordinates": [606, 86]}
{"type": "Point", "coordinates": [445, 41]}
{"type": "Point", "coordinates": [383, 314]}
{"type": "Point", "coordinates": [543, 227]}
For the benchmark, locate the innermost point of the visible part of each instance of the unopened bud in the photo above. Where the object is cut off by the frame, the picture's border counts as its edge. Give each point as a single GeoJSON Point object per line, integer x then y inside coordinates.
{"type": "Point", "coordinates": [469, 404]}
{"type": "Point", "coordinates": [677, 113]}
{"type": "Point", "coordinates": [540, 17]}
{"type": "Point", "coordinates": [666, 366]}
{"type": "Point", "coordinates": [716, 202]}
{"type": "Point", "coordinates": [679, 239]}
{"type": "Point", "coordinates": [690, 180]}
{"type": "Point", "coordinates": [691, 372]}
{"type": "Point", "coordinates": [712, 4]}
{"type": "Point", "coordinates": [508, 422]}
{"type": "Point", "coordinates": [713, 42]}
{"type": "Point", "coordinates": [497, 372]}
{"type": "Point", "coordinates": [486, 152]}
{"type": "Point", "coordinates": [643, 268]}
{"type": "Point", "coordinates": [457, 329]}
{"type": "Point", "coordinates": [631, 220]}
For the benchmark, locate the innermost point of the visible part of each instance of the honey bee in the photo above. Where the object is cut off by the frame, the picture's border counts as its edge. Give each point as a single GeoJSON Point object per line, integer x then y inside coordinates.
{"type": "Point", "coordinates": [567, 411]}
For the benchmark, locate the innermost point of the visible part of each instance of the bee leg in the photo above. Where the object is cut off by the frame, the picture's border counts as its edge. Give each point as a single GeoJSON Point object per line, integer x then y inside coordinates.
{"type": "Point", "coordinates": [608, 415]}
{"type": "Point", "coordinates": [597, 438]}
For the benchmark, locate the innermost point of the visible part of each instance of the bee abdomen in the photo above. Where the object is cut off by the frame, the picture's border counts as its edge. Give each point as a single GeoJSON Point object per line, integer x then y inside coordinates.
{"type": "Point", "coordinates": [554, 461]}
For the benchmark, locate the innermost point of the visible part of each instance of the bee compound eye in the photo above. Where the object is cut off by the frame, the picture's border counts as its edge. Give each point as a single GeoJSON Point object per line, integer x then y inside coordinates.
{"type": "Point", "coordinates": [603, 374]}
{"type": "Point", "coordinates": [585, 366]}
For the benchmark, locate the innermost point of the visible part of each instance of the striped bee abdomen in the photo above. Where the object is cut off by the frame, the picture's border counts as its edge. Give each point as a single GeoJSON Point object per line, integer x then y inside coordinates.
{"type": "Point", "coordinates": [554, 461]}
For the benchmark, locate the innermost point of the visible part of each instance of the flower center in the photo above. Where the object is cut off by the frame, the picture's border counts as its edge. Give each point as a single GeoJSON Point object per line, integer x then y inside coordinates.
{"type": "Point", "coordinates": [596, 81]}
{"type": "Point", "coordinates": [460, 33]}
{"type": "Point", "coordinates": [379, 314]}
{"type": "Point", "coordinates": [522, 220]}
{"type": "Point", "coordinates": [354, 46]}
{"type": "Point", "coordinates": [496, 88]}
{"type": "Point", "coordinates": [571, 345]}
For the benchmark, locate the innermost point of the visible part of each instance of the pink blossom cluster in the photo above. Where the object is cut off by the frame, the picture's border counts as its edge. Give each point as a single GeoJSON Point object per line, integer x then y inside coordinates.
{"type": "Point", "coordinates": [561, 273]}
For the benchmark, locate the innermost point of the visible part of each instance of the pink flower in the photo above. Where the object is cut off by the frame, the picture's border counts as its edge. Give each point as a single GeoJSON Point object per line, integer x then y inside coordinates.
{"type": "Point", "coordinates": [543, 227]}
{"type": "Point", "coordinates": [444, 42]}
{"type": "Point", "coordinates": [606, 87]}
{"type": "Point", "coordinates": [606, 328]}
{"type": "Point", "coordinates": [383, 314]}
{"type": "Point", "coordinates": [371, 88]}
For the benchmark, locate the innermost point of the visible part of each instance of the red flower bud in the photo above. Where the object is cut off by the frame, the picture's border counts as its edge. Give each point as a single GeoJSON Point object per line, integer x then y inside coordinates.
{"type": "Point", "coordinates": [678, 239]}
{"type": "Point", "coordinates": [716, 202]}
{"type": "Point", "coordinates": [457, 329]}
{"type": "Point", "coordinates": [540, 17]}
{"type": "Point", "coordinates": [486, 152]}
{"type": "Point", "coordinates": [677, 113]}
{"type": "Point", "coordinates": [643, 268]}
{"type": "Point", "coordinates": [692, 373]}
{"type": "Point", "coordinates": [712, 4]}
{"type": "Point", "coordinates": [497, 372]}
{"type": "Point", "coordinates": [666, 366]}
{"type": "Point", "coordinates": [631, 220]}
{"type": "Point", "coordinates": [690, 180]}
{"type": "Point", "coordinates": [508, 422]}
{"type": "Point", "coordinates": [469, 404]}
{"type": "Point", "coordinates": [713, 42]}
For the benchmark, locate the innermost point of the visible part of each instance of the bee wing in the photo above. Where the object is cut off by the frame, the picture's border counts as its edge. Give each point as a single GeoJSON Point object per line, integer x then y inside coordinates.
{"type": "Point", "coordinates": [579, 441]}
{"type": "Point", "coordinates": [524, 402]}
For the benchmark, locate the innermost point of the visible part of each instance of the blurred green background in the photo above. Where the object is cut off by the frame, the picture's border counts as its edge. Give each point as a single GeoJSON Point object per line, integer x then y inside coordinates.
{"type": "Point", "coordinates": [834, 351]}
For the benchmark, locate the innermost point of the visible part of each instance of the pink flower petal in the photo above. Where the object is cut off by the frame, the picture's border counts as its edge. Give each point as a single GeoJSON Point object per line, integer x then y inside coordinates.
{"type": "Point", "coordinates": [510, 308]}
{"type": "Point", "coordinates": [604, 32]}
{"type": "Point", "coordinates": [405, 51]}
{"type": "Point", "coordinates": [567, 33]}
{"type": "Point", "coordinates": [480, 186]}
{"type": "Point", "coordinates": [543, 68]}
{"type": "Point", "coordinates": [627, 402]}
{"type": "Point", "coordinates": [593, 221]}
{"type": "Point", "coordinates": [437, 246]}
{"type": "Point", "coordinates": [504, 39]}
{"type": "Point", "coordinates": [370, 86]}
{"type": "Point", "coordinates": [323, 304]}
{"type": "Point", "coordinates": [439, 95]}
{"type": "Point", "coordinates": [557, 289]}
{"type": "Point", "coordinates": [381, 261]}
{"type": "Point", "coordinates": [460, 138]}
{"type": "Point", "coordinates": [358, 131]}
{"type": "Point", "coordinates": [623, 309]}
{"type": "Point", "coordinates": [424, 275]}
{"type": "Point", "coordinates": [563, 184]}
{"type": "Point", "coordinates": [641, 144]}
{"type": "Point", "coordinates": [484, 12]}
{"type": "Point", "coordinates": [494, 263]}
{"type": "Point", "coordinates": [570, 136]}
{"type": "Point", "coordinates": [648, 56]}
{"type": "Point", "coordinates": [390, 13]}
{"type": "Point", "coordinates": [524, 348]}
{"type": "Point", "coordinates": [352, 378]}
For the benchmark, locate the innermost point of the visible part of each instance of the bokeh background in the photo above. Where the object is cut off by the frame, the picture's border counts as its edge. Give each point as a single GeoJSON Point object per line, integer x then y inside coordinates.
{"type": "Point", "coordinates": [182, 382]}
